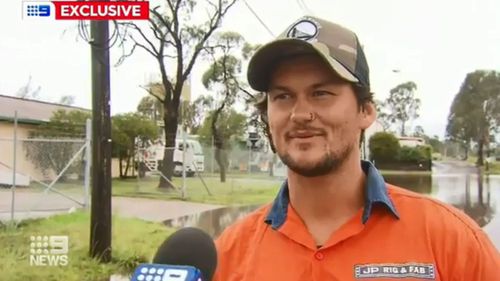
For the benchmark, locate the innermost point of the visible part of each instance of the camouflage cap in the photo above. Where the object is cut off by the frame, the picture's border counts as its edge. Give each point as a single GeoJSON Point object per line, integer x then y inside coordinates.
{"type": "Point", "coordinates": [338, 46]}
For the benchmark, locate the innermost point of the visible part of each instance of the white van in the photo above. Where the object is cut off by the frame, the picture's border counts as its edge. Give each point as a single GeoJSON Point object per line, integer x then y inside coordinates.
{"type": "Point", "coordinates": [194, 156]}
{"type": "Point", "coordinates": [152, 155]}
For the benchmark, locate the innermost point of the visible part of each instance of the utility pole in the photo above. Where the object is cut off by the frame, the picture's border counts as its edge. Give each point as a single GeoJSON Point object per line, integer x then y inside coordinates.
{"type": "Point", "coordinates": [100, 214]}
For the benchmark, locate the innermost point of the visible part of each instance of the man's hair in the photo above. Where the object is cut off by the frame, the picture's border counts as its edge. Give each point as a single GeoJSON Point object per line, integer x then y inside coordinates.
{"type": "Point", "coordinates": [363, 97]}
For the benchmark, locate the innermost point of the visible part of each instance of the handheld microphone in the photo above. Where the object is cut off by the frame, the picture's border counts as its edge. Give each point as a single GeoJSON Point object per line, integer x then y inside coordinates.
{"type": "Point", "coordinates": [189, 254]}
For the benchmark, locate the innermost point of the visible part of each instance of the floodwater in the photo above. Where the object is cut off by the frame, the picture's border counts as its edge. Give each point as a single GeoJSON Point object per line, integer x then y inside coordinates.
{"type": "Point", "coordinates": [453, 183]}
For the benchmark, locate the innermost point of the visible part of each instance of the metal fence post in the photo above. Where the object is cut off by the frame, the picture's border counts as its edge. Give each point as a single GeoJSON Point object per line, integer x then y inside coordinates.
{"type": "Point", "coordinates": [88, 155]}
{"type": "Point", "coordinates": [184, 149]}
{"type": "Point", "coordinates": [213, 155]}
{"type": "Point", "coordinates": [249, 160]}
{"type": "Point", "coordinates": [13, 189]}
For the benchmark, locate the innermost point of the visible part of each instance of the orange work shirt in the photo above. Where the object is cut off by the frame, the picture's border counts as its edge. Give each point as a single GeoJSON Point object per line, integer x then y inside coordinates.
{"type": "Point", "coordinates": [398, 235]}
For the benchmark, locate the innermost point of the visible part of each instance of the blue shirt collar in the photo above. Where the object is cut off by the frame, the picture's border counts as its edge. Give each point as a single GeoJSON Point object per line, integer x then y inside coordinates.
{"type": "Point", "coordinates": [375, 193]}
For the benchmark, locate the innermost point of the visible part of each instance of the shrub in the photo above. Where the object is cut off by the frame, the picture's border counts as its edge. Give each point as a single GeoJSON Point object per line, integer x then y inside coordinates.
{"type": "Point", "coordinates": [409, 154]}
{"type": "Point", "coordinates": [384, 147]}
{"type": "Point", "coordinates": [426, 151]}
{"type": "Point", "coordinates": [417, 154]}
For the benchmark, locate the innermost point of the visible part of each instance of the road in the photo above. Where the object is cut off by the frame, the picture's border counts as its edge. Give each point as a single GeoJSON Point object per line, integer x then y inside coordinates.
{"type": "Point", "coordinates": [458, 168]}
{"type": "Point", "coordinates": [37, 205]}
{"type": "Point", "coordinates": [453, 167]}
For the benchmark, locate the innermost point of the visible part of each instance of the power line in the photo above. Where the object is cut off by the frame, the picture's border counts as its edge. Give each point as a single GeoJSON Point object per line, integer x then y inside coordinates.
{"type": "Point", "coordinates": [301, 6]}
{"type": "Point", "coordinates": [304, 7]}
{"type": "Point", "coordinates": [259, 19]}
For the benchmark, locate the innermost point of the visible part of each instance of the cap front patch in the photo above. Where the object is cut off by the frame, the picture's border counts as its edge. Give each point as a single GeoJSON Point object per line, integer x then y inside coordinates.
{"type": "Point", "coordinates": [306, 30]}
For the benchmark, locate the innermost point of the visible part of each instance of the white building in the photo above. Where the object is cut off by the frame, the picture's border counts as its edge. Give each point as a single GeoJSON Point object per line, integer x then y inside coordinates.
{"type": "Point", "coordinates": [411, 141]}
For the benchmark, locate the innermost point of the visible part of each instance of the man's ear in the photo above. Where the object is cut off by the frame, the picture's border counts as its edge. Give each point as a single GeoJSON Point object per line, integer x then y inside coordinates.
{"type": "Point", "coordinates": [368, 115]}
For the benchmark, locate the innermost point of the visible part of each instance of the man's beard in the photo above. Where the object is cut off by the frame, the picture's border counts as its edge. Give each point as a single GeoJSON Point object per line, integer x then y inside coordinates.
{"type": "Point", "coordinates": [329, 163]}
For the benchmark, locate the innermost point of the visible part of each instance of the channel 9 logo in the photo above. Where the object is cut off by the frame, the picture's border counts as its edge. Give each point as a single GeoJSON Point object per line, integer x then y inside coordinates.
{"type": "Point", "coordinates": [85, 10]}
{"type": "Point", "coordinates": [49, 250]}
{"type": "Point", "coordinates": [38, 10]}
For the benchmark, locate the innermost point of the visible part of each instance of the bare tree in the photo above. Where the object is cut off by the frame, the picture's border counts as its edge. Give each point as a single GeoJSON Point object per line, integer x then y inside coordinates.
{"type": "Point", "coordinates": [173, 38]}
{"type": "Point", "coordinates": [26, 91]}
{"type": "Point", "coordinates": [67, 100]}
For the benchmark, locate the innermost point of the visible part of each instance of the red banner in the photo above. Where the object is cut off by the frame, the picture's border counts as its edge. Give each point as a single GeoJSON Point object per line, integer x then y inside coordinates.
{"type": "Point", "coordinates": [95, 10]}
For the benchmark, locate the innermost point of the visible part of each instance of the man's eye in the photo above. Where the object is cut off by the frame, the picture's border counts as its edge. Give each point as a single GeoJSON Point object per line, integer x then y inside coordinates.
{"type": "Point", "coordinates": [283, 96]}
{"type": "Point", "coordinates": [321, 93]}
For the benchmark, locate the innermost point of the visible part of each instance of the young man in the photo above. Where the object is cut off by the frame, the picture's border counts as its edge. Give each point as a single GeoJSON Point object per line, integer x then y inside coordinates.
{"type": "Point", "coordinates": [335, 218]}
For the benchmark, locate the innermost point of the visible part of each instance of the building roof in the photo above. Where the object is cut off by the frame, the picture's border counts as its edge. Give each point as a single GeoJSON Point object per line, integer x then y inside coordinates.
{"type": "Point", "coordinates": [30, 111]}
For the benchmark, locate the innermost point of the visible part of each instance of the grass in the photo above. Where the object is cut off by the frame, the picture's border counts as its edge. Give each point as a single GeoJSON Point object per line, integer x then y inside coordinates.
{"type": "Point", "coordinates": [240, 174]}
{"type": "Point", "coordinates": [134, 241]}
{"type": "Point", "coordinates": [411, 173]}
{"type": "Point", "coordinates": [493, 169]}
{"type": "Point", "coordinates": [239, 189]}
{"type": "Point", "coordinates": [72, 188]}
{"type": "Point", "coordinates": [235, 191]}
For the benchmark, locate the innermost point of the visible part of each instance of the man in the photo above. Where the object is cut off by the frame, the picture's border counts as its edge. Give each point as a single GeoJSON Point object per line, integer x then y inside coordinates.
{"type": "Point", "coordinates": [335, 218]}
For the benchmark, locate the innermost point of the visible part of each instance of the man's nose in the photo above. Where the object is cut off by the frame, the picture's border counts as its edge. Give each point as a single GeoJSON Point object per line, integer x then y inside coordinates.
{"type": "Point", "coordinates": [302, 112]}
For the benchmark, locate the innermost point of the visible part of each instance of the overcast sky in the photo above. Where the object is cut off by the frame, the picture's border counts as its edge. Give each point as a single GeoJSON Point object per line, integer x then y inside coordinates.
{"type": "Point", "coordinates": [433, 43]}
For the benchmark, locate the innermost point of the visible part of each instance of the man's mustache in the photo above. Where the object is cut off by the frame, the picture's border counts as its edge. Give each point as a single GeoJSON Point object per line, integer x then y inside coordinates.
{"type": "Point", "coordinates": [304, 131]}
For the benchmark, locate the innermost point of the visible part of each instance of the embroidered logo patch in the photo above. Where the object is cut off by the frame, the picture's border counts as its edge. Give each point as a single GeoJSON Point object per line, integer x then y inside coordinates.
{"type": "Point", "coordinates": [306, 30]}
{"type": "Point", "coordinates": [395, 270]}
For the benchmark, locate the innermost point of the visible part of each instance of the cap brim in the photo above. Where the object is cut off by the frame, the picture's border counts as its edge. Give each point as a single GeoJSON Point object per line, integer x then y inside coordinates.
{"type": "Point", "coordinates": [261, 64]}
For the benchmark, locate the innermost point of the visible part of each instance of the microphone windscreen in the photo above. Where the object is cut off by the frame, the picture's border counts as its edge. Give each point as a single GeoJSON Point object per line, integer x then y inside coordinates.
{"type": "Point", "coordinates": [189, 246]}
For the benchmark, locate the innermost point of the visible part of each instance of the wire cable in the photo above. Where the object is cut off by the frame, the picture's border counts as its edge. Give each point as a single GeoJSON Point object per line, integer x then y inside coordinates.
{"type": "Point", "coordinates": [259, 19]}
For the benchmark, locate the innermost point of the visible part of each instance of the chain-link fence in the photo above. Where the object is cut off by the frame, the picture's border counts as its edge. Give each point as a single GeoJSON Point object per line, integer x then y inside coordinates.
{"type": "Point", "coordinates": [243, 160]}
{"type": "Point", "coordinates": [200, 177]}
{"type": "Point", "coordinates": [43, 169]}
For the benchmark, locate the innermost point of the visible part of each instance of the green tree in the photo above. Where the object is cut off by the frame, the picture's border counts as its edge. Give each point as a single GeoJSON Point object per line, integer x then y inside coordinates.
{"type": "Point", "coordinates": [189, 112]}
{"type": "Point", "coordinates": [436, 144]}
{"type": "Point", "coordinates": [52, 157]}
{"type": "Point", "coordinates": [233, 129]}
{"type": "Point", "coordinates": [475, 111]}
{"type": "Point", "coordinates": [419, 132]}
{"type": "Point", "coordinates": [433, 142]}
{"type": "Point", "coordinates": [151, 108]}
{"type": "Point", "coordinates": [231, 126]}
{"type": "Point", "coordinates": [402, 105]}
{"type": "Point", "coordinates": [175, 39]}
{"type": "Point", "coordinates": [222, 77]}
{"type": "Point", "coordinates": [125, 129]}
{"type": "Point", "coordinates": [384, 147]}
{"type": "Point", "coordinates": [193, 113]}
{"type": "Point", "coordinates": [382, 115]}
